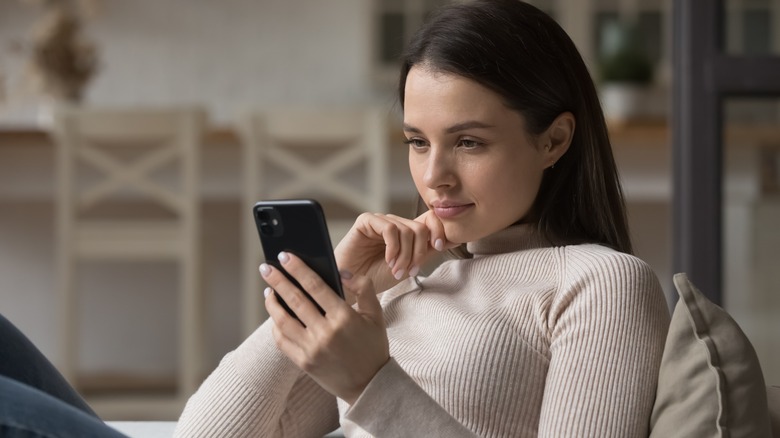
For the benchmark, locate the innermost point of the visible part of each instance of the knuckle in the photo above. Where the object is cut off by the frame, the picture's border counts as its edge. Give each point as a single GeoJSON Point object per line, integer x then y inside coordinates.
{"type": "Point", "coordinates": [407, 232]}
{"type": "Point", "coordinates": [278, 338]}
{"type": "Point", "coordinates": [392, 229]}
{"type": "Point", "coordinates": [294, 301]}
{"type": "Point", "coordinates": [342, 318]}
{"type": "Point", "coordinates": [324, 338]}
{"type": "Point", "coordinates": [365, 283]}
{"type": "Point", "coordinates": [308, 365]}
{"type": "Point", "coordinates": [281, 325]}
{"type": "Point", "coordinates": [275, 277]}
{"type": "Point", "coordinates": [311, 284]}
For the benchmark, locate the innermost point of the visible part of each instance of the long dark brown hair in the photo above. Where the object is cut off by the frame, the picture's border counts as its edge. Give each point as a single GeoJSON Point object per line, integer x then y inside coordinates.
{"type": "Point", "coordinates": [523, 55]}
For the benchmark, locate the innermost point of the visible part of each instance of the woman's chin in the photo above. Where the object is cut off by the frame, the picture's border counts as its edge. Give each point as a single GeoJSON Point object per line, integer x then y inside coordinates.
{"type": "Point", "coordinates": [463, 232]}
{"type": "Point", "coordinates": [459, 235]}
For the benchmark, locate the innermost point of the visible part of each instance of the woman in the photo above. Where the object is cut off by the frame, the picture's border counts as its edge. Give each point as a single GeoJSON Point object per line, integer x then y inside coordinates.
{"type": "Point", "coordinates": [543, 324]}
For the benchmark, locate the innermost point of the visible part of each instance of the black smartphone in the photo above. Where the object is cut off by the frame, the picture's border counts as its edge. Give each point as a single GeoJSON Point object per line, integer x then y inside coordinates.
{"type": "Point", "coordinates": [297, 226]}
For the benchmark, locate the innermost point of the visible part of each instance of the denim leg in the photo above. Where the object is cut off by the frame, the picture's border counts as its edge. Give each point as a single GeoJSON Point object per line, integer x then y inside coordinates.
{"type": "Point", "coordinates": [20, 360]}
{"type": "Point", "coordinates": [26, 412]}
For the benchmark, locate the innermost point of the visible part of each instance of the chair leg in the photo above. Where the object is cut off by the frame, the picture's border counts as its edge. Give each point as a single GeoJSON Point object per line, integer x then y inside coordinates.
{"type": "Point", "coordinates": [191, 327]}
{"type": "Point", "coordinates": [69, 309]}
{"type": "Point", "coordinates": [253, 306]}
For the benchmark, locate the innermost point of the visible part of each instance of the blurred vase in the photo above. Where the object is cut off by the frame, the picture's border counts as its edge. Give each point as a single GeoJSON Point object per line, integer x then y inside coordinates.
{"type": "Point", "coordinates": [623, 102]}
{"type": "Point", "coordinates": [44, 117]}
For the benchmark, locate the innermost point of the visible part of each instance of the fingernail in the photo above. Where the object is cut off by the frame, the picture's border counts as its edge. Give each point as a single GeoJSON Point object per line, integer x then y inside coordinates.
{"type": "Point", "coordinates": [399, 275]}
{"type": "Point", "coordinates": [439, 245]}
{"type": "Point", "coordinates": [267, 291]}
{"type": "Point", "coordinates": [283, 257]}
{"type": "Point", "coordinates": [391, 263]}
{"type": "Point", "coordinates": [414, 271]}
{"type": "Point", "coordinates": [346, 275]}
{"type": "Point", "coordinates": [265, 270]}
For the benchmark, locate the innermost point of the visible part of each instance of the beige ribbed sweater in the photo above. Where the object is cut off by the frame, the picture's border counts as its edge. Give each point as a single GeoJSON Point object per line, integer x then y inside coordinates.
{"type": "Point", "coordinates": [521, 340]}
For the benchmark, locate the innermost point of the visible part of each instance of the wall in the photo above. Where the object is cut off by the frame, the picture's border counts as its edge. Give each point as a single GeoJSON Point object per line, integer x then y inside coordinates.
{"type": "Point", "coordinates": [229, 54]}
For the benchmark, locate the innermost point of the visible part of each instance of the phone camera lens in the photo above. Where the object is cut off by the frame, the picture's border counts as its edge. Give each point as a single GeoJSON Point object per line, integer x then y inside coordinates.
{"type": "Point", "coordinates": [269, 222]}
{"type": "Point", "coordinates": [266, 228]}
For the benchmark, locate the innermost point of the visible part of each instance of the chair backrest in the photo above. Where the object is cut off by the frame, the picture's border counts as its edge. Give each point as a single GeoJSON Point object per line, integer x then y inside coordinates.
{"type": "Point", "coordinates": [335, 155]}
{"type": "Point", "coordinates": [128, 190]}
{"type": "Point", "coordinates": [110, 154]}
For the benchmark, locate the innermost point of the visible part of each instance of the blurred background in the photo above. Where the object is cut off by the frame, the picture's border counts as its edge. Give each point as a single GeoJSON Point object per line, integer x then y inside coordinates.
{"type": "Point", "coordinates": [267, 71]}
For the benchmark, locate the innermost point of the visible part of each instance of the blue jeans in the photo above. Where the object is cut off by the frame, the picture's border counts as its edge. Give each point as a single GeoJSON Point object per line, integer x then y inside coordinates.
{"type": "Point", "coordinates": [35, 400]}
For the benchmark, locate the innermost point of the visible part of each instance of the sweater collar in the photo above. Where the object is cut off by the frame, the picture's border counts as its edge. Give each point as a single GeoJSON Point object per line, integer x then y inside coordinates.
{"type": "Point", "coordinates": [512, 239]}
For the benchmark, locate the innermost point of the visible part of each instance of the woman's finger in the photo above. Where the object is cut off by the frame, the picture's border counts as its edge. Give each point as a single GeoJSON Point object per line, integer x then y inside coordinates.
{"type": "Point", "coordinates": [367, 301]}
{"type": "Point", "coordinates": [283, 321]}
{"type": "Point", "coordinates": [415, 245]}
{"type": "Point", "coordinates": [295, 299]}
{"type": "Point", "coordinates": [311, 282]}
{"type": "Point", "coordinates": [391, 236]}
{"type": "Point", "coordinates": [438, 236]}
{"type": "Point", "coordinates": [287, 345]}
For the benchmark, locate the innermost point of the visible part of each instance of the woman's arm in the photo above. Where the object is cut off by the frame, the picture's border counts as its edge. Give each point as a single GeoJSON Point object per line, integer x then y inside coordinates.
{"type": "Point", "coordinates": [393, 405]}
{"type": "Point", "coordinates": [608, 325]}
{"type": "Point", "coordinates": [256, 391]}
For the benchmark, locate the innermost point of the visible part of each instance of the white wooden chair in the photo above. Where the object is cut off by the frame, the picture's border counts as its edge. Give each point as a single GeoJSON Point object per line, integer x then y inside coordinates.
{"type": "Point", "coordinates": [116, 156]}
{"type": "Point", "coordinates": [337, 156]}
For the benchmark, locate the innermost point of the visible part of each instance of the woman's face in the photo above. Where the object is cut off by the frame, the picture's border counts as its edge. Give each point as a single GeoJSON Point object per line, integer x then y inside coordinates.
{"type": "Point", "coordinates": [472, 160]}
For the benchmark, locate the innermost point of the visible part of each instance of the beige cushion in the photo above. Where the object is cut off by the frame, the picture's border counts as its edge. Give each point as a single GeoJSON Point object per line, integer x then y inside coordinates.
{"type": "Point", "coordinates": [710, 383]}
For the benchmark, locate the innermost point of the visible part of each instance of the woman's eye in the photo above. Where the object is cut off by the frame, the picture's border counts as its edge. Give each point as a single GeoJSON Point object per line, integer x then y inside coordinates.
{"type": "Point", "coordinates": [416, 143]}
{"type": "Point", "coordinates": [469, 144]}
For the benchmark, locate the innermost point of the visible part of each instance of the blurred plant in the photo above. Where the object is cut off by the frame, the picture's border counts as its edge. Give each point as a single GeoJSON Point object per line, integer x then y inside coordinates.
{"type": "Point", "coordinates": [61, 61]}
{"type": "Point", "coordinates": [625, 58]}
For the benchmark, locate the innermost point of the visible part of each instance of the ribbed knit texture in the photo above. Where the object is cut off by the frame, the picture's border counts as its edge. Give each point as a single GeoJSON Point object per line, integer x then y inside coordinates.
{"type": "Point", "coordinates": [521, 340]}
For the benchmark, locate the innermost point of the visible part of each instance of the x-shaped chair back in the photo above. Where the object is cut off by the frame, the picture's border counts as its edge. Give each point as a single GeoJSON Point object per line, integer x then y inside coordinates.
{"type": "Point", "coordinates": [281, 140]}
{"type": "Point", "coordinates": [156, 138]}
{"type": "Point", "coordinates": [131, 151]}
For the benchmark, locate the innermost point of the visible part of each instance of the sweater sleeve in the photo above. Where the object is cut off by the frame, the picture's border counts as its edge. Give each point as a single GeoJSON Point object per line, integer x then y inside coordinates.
{"type": "Point", "coordinates": [608, 324]}
{"type": "Point", "coordinates": [257, 392]}
{"type": "Point", "coordinates": [406, 410]}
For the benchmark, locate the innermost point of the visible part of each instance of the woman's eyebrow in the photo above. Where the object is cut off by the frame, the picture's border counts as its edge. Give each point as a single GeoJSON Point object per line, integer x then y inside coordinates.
{"type": "Point", "coordinates": [467, 125]}
{"type": "Point", "coordinates": [410, 128]}
{"type": "Point", "coordinates": [454, 128]}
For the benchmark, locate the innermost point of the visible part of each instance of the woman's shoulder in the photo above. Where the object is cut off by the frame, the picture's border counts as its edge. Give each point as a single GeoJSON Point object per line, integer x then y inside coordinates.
{"type": "Point", "coordinates": [601, 257]}
{"type": "Point", "coordinates": [593, 263]}
{"type": "Point", "coordinates": [595, 275]}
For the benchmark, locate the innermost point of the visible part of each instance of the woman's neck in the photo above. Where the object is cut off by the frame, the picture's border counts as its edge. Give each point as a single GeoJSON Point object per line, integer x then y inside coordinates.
{"type": "Point", "coordinates": [511, 239]}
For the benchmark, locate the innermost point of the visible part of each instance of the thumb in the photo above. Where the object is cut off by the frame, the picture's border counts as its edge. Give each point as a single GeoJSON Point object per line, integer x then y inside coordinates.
{"type": "Point", "coordinates": [438, 237]}
{"type": "Point", "coordinates": [365, 293]}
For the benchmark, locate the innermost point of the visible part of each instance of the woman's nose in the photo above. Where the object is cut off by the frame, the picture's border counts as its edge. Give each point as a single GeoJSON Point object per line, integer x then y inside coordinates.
{"type": "Point", "coordinates": [438, 171]}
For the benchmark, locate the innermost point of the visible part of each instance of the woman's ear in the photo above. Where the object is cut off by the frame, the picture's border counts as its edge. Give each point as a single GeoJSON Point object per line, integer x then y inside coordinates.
{"type": "Point", "coordinates": [557, 138]}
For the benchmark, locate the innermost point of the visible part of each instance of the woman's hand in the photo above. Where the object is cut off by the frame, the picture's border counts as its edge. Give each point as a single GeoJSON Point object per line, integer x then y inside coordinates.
{"type": "Point", "coordinates": [387, 248]}
{"type": "Point", "coordinates": [341, 350]}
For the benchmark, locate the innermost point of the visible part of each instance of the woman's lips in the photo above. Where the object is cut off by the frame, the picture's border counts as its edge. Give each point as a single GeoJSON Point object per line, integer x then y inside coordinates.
{"type": "Point", "coordinates": [450, 211]}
